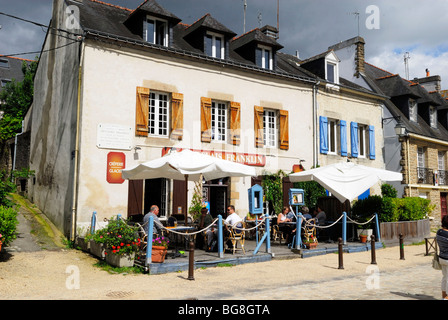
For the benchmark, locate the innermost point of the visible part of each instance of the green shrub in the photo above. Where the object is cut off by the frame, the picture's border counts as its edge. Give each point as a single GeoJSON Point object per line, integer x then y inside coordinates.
{"type": "Point", "coordinates": [8, 224]}
{"type": "Point", "coordinates": [388, 191]}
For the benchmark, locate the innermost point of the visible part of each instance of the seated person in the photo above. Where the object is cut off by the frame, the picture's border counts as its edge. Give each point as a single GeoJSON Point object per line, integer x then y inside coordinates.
{"type": "Point", "coordinates": [204, 221]}
{"type": "Point", "coordinates": [154, 212]}
{"type": "Point", "coordinates": [320, 216]}
{"type": "Point", "coordinates": [306, 213]}
{"type": "Point", "coordinates": [285, 228]}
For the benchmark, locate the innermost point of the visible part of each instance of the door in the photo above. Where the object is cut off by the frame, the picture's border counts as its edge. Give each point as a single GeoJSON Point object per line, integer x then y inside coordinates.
{"type": "Point", "coordinates": [443, 207]}
{"type": "Point", "coordinates": [135, 199]}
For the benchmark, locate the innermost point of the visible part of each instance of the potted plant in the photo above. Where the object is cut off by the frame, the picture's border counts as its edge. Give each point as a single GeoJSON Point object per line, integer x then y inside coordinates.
{"type": "Point", "coordinates": [310, 243]}
{"type": "Point", "coordinates": [121, 242]}
{"type": "Point", "coordinates": [96, 241]}
{"type": "Point", "coordinates": [364, 234]}
{"type": "Point", "coordinates": [159, 249]}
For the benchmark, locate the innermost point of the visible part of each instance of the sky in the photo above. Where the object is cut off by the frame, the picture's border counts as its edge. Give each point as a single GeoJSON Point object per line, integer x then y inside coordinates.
{"type": "Point", "coordinates": [390, 28]}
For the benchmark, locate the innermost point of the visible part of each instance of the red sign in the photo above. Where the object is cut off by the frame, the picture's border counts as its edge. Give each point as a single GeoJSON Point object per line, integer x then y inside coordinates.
{"type": "Point", "coordinates": [255, 160]}
{"type": "Point", "coordinates": [116, 161]}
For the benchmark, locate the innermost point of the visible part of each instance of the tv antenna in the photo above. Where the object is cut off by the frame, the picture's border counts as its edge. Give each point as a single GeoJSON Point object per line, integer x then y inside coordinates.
{"type": "Point", "coordinates": [260, 19]}
{"type": "Point", "coordinates": [407, 56]}
{"type": "Point", "coordinates": [356, 13]}
{"type": "Point", "coordinates": [244, 23]}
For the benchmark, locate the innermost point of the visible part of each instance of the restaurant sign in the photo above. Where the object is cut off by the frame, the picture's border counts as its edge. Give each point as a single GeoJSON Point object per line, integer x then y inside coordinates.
{"type": "Point", "coordinates": [116, 161]}
{"type": "Point", "coordinates": [255, 160]}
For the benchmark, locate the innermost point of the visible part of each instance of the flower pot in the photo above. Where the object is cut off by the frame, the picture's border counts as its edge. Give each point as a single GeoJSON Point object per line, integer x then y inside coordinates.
{"type": "Point", "coordinates": [158, 254]}
{"type": "Point", "coordinates": [120, 261]}
{"type": "Point", "coordinates": [367, 232]}
{"type": "Point", "coordinates": [97, 249]}
{"type": "Point", "coordinates": [311, 245]}
{"type": "Point", "coordinates": [83, 244]}
{"type": "Point", "coordinates": [363, 238]}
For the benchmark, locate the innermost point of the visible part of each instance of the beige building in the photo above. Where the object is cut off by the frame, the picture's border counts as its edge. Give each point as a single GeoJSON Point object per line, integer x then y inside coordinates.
{"type": "Point", "coordinates": [127, 86]}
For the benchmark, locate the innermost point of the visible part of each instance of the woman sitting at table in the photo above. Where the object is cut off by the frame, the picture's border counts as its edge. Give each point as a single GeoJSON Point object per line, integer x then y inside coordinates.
{"type": "Point", "coordinates": [283, 226]}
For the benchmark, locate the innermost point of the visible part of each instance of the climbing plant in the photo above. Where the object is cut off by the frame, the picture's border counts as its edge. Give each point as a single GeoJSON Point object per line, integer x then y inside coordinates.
{"type": "Point", "coordinates": [273, 189]}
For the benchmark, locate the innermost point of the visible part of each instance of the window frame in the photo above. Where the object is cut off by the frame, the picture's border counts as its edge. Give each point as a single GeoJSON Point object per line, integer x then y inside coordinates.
{"type": "Point", "coordinates": [433, 117]}
{"type": "Point", "coordinates": [155, 34]}
{"type": "Point", "coordinates": [157, 121]}
{"type": "Point", "coordinates": [213, 48]}
{"type": "Point", "coordinates": [363, 140]}
{"type": "Point", "coordinates": [262, 62]}
{"type": "Point", "coordinates": [216, 105]}
{"type": "Point", "coordinates": [333, 125]}
{"type": "Point", "coordinates": [413, 111]}
{"type": "Point", "coordinates": [271, 143]}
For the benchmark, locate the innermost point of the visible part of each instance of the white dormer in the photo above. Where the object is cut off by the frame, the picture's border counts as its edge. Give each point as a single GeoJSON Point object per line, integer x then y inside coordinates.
{"type": "Point", "coordinates": [332, 68]}
{"type": "Point", "coordinates": [155, 31]}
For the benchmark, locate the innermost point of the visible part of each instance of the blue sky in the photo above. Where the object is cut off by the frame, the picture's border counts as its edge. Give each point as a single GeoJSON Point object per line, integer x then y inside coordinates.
{"type": "Point", "coordinates": [307, 26]}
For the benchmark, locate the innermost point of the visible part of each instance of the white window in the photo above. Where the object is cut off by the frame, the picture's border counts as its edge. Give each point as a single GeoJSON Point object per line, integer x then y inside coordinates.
{"type": "Point", "coordinates": [156, 31]}
{"type": "Point", "coordinates": [332, 136]}
{"type": "Point", "coordinates": [331, 72]}
{"type": "Point", "coordinates": [363, 140]}
{"type": "Point", "coordinates": [158, 124]}
{"type": "Point", "coordinates": [264, 57]}
{"type": "Point", "coordinates": [441, 160]}
{"type": "Point", "coordinates": [433, 117]}
{"type": "Point", "coordinates": [214, 45]}
{"type": "Point", "coordinates": [413, 110]}
{"type": "Point", "coordinates": [270, 128]}
{"type": "Point", "coordinates": [219, 121]}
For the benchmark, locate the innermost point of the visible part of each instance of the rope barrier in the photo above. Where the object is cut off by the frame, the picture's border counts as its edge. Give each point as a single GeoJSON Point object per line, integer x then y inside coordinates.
{"type": "Point", "coordinates": [359, 223]}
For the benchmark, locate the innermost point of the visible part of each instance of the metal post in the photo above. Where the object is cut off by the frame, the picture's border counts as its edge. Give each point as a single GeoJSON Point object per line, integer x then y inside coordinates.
{"type": "Point", "coordinates": [93, 223]}
{"type": "Point", "coordinates": [341, 262]}
{"type": "Point", "coordinates": [378, 233]}
{"type": "Point", "coordinates": [149, 241]}
{"type": "Point", "coordinates": [191, 262]}
{"type": "Point", "coordinates": [256, 229]}
{"type": "Point", "coordinates": [268, 232]}
{"type": "Point", "coordinates": [372, 249]}
{"type": "Point", "coordinates": [298, 230]}
{"type": "Point", "coordinates": [401, 247]}
{"type": "Point", "coordinates": [220, 238]}
{"type": "Point", "coordinates": [118, 216]}
{"type": "Point", "coordinates": [344, 227]}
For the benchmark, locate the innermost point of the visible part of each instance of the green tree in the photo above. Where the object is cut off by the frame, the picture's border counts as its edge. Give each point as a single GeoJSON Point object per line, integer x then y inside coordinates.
{"type": "Point", "coordinates": [16, 98]}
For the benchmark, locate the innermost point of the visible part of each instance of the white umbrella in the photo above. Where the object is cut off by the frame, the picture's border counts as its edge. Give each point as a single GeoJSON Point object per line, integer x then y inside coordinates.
{"type": "Point", "coordinates": [346, 180]}
{"type": "Point", "coordinates": [187, 165]}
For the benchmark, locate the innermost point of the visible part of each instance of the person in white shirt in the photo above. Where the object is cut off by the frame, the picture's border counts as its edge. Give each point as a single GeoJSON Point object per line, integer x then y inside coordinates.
{"type": "Point", "coordinates": [232, 216]}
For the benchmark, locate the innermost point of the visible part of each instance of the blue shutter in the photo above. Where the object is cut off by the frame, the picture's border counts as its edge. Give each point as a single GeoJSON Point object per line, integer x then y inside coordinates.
{"type": "Point", "coordinates": [323, 135]}
{"type": "Point", "coordinates": [354, 139]}
{"type": "Point", "coordinates": [343, 128]}
{"type": "Point", "coordinates": [372, 142]}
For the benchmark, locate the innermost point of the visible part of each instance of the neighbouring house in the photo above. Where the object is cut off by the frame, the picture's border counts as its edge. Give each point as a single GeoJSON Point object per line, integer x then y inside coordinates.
{"type": "Point", "coordinates": [126, 86]}
{"type": "Point", "coordinates": [414, 123]}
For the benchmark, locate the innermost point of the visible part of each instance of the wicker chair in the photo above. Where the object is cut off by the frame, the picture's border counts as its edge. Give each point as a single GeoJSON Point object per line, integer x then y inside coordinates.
{"type": "Point", "coordinates": [236, 235]}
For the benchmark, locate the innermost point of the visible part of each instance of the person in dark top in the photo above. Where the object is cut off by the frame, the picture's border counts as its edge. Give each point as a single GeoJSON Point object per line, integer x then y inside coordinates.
{"type": "Point", "coordinates": [442, 243]}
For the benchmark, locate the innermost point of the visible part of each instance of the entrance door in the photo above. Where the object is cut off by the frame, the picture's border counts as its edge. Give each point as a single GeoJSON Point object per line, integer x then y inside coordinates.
{"type": "Point", "coordinates": [443, 204]}
{"type": "Point", "coordinates": [156, 193]}
{"type": "Point", "coordinates": [216, 192]}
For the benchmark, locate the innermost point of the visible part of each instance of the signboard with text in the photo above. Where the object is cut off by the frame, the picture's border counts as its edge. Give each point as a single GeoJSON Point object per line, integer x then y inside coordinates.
{"type": "Point", "coordinates": [116, 161]}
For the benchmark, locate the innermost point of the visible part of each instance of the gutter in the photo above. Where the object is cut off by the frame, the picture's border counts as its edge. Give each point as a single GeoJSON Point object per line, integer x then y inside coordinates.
{"type": "Point", "coordinates": [76, 159]}
{"type": "Point", "coordinates": [315, 137]}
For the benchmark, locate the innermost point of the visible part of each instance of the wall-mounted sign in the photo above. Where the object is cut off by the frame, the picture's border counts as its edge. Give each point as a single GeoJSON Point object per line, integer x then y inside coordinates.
{"type": "Point", "coordinates": [114, 136]}
{"type": "Point", "coordinates": [255, 160]}
{"type": "Point", "coordinates": [116, 161]}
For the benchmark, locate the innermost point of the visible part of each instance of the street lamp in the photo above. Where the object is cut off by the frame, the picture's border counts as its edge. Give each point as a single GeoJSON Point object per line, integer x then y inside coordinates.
{"type": "Point", "coordinates": [400, 128]}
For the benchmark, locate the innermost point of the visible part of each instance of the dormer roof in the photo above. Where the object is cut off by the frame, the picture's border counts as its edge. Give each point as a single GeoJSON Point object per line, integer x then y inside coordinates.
{"type": "Point", "coordinates": [255, 36]}
{"type": "Point", "coordinates": [209, 23]}
{"type": "Point", "coordinates": [153, 8]}
{"type": "Point", "coordinates": [396, 86]}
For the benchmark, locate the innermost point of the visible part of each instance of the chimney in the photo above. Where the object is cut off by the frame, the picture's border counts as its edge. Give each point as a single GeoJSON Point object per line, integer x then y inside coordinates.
{"type": "Point", "coordinates": [431, 83]}
{"type": "Point", "coordinates": [427, 72]}
{"type": "Point", "coordinates": [297, 54]}
{"type": "Point", "coordinates": [360, 57]}
{"type": "Point", "coordinates": [270, 31]}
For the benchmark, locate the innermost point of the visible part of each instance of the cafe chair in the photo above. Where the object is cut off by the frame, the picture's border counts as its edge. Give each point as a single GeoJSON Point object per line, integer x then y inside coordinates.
{"type": "Point", "coordinates": [277, 234]}
{"type": "Point", "coordinates": [237, 235]}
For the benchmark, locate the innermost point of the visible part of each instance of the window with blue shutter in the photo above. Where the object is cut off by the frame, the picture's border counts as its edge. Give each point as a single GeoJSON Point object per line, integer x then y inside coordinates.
{"type": "Point", "coordinates": [372, 142]}
{"type": "Point", "coordinates": [343, 129]}
{"type": "Point", "coordinates": [323, 135]}
{"type": "Point", "coordinates": [354, 139]}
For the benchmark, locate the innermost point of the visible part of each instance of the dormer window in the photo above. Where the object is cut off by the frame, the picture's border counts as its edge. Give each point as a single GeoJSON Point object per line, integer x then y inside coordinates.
{"type": "Point", "coordinates": [264, 57]}
{"type": "Point", "coordinates": [413, 110]}
{"type": "Point", "coordinates": [156, 31]}
{"type": "Point", "coordinates": [4, 63]}
{"type": "Point", "coordinates": [433, 117]}
{"type": "Point", "coordinates": [331, 69]}
{"type": "Point", "coordinates": [214, 45]}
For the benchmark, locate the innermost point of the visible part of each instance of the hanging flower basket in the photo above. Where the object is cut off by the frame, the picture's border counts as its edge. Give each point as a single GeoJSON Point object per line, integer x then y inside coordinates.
{"type": "Point", "coordinates": [158, 254]}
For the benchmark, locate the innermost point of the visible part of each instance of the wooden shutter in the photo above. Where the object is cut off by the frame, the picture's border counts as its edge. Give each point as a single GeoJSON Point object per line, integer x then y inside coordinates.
{"type": "Point", "coordinates": [284, 130]}
{"type": "Point", "coordinates": [258, 126]}
{"type": "Point", "coordinates": [135, 197]}
{"type": "Point", "coordinates": [206, 119]}
{"type": "Point", "coordinates": [235, 123]}
{"type": "Point", "coordinates": [142, 112]}
{"type": "Point", "coordinates": [177, 116]}
{"type": "Point", "coordinates": [323, 132]}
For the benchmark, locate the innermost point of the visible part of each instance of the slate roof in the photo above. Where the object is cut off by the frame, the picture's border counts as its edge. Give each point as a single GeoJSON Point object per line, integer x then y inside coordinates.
{"type": "Point", "coordinates": [115, 23]}
{"type": "Point", "coordinates": [14, 69]}
{"type": "Point", "coordinates": [391, 85]}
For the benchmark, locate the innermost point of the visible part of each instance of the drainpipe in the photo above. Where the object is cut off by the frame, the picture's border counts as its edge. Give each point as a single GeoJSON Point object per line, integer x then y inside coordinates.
{"type": "Point", "coordinates": [15, 151]}
{"type": "Point", "coordinates": [315, 137]}
{"type": "Point", "coordinates": [76, 155]}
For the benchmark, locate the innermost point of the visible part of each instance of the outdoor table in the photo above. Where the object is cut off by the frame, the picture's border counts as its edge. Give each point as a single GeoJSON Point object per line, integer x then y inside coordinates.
{"type": "Point", "coordinates": [183, 229]}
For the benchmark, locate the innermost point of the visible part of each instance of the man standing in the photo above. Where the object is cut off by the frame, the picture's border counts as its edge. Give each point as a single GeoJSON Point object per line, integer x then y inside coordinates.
{"type": "Point", "coordinates": [154, 212]}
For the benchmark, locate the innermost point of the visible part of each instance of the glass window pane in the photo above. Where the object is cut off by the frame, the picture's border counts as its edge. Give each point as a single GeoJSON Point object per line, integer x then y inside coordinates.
{"type": "Point", "coordinates": [150, 31]}
{"type": "Point", "coordinates": [259, 57]}
{"type": "Point", "coordinates": [218, 46]}
{"type": "Point", "coordinates": [330, 72]}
